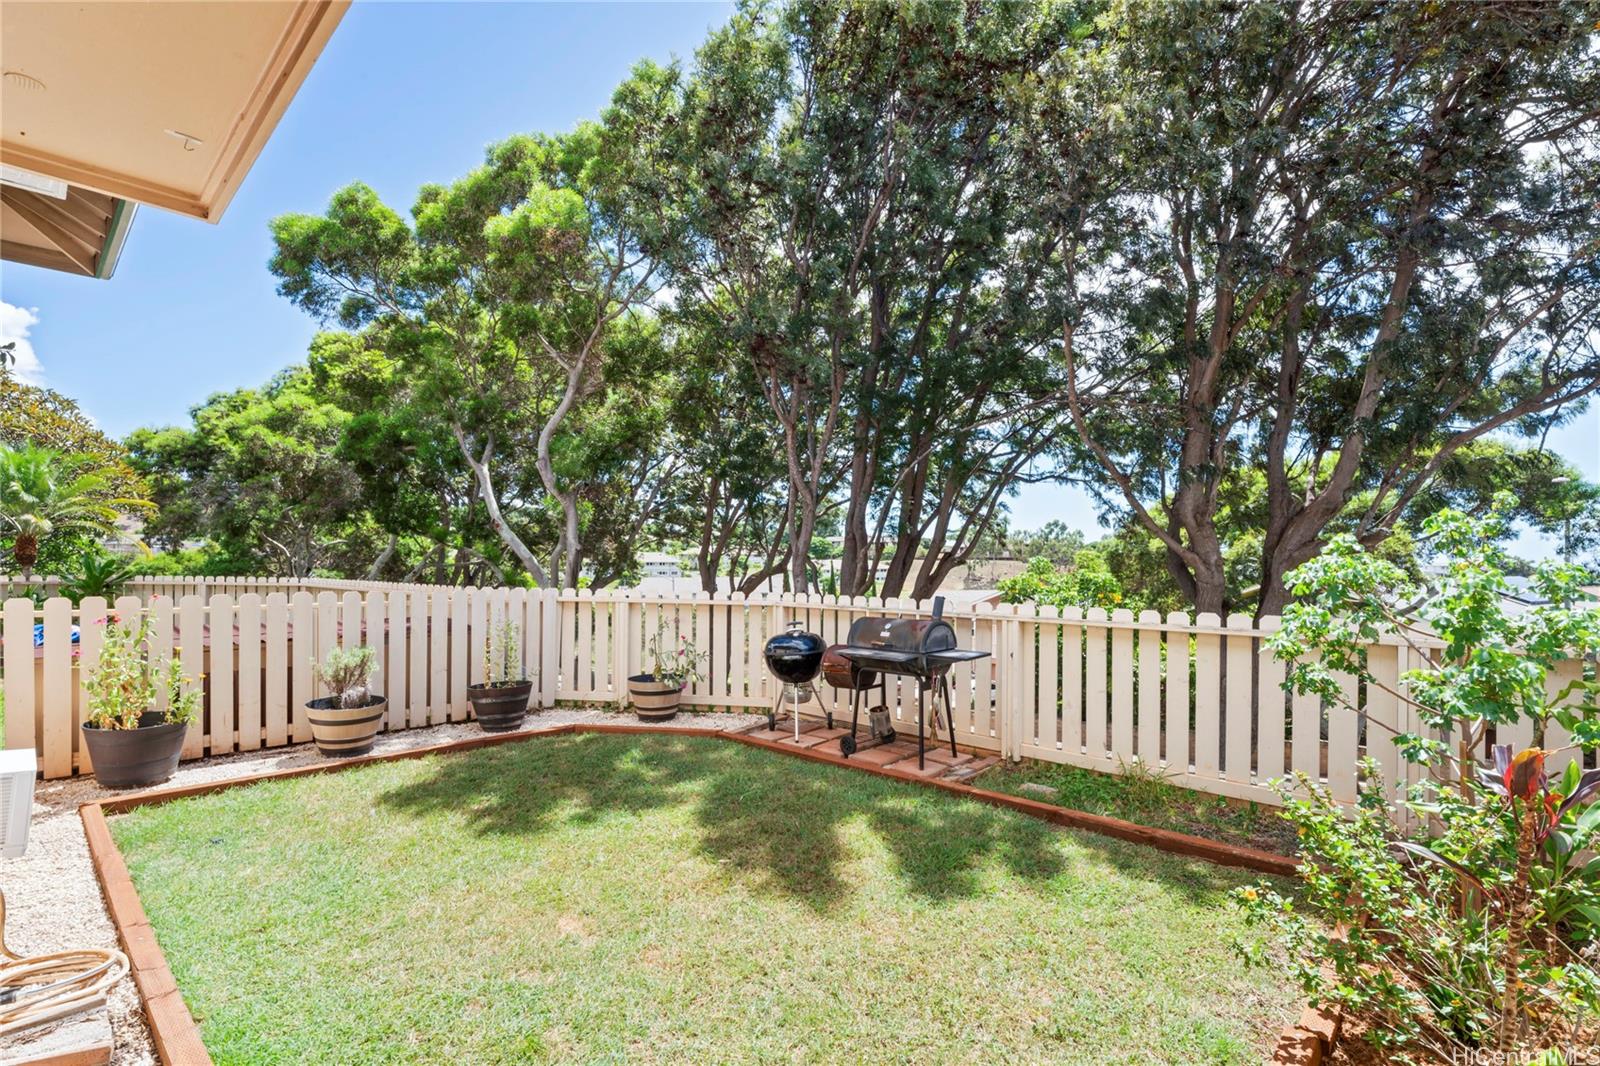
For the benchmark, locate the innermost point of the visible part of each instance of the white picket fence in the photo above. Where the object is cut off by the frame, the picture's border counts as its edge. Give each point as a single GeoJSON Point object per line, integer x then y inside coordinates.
{"type": "Point", "coordinates": [1195, 700]}
{"type": "Point", "coordinates": [176, 587]}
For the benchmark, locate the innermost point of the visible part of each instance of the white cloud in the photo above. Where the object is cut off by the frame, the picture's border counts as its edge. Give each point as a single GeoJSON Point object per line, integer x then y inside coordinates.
{"type": "Point", "coordinates": [15, 324]}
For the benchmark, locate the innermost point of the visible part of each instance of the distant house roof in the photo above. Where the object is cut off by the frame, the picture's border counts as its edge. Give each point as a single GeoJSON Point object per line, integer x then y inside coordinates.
{"type": "Point", "coordinates": [967, 599]}
{"type": "Point", "coordinates": [1523, 590]}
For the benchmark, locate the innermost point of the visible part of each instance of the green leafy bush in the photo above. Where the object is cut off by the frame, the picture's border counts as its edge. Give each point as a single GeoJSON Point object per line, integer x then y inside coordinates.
{"type": "Point", "coordinates": [1089, 582]}
{"type": "Point", "coordinates": [126, 681]}
{"type": "Point", "coordinates": [1476, 931]}
{"type": "Point", "coordinates": [347, 674]}
{"type": "Point", "coordinates": [97, 573]}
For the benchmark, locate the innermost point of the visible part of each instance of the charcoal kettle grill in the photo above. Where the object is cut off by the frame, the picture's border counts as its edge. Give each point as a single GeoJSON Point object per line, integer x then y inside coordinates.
{"type": "Point", "coordinates": [794, 657]}
{"type": "Point", "coordinates": [921, 648]}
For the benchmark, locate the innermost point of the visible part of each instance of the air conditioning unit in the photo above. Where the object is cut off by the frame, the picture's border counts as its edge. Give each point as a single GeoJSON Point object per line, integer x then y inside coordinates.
{"type": "Point", "coordinates": [17, 769]}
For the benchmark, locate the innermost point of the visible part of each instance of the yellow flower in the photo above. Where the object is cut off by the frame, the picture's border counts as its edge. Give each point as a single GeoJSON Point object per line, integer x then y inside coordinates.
{"type": "Point", "coordinates": [1250, 894]}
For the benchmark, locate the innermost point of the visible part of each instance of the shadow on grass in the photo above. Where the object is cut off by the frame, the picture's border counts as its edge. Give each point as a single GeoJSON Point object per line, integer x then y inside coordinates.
{"type": "Point", "coordinates": [778, 821]}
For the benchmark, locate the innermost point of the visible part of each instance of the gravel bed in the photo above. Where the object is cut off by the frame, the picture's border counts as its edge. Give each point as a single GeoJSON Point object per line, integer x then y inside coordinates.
{"type": "Point", "coordinates": [53, 900]}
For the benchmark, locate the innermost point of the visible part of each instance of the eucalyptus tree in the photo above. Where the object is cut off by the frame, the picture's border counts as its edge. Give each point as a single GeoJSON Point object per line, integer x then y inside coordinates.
{"type": "Point", "coordinates": [509, 287]}
{"type": "Point", "coordinates": [833, 184]}
{"type": "Point", "coordinates": [727, 497]}
{"type": "Point", "coordinates": [1337, 242]}
{"type": "Point", "coordinates": [414, 481]}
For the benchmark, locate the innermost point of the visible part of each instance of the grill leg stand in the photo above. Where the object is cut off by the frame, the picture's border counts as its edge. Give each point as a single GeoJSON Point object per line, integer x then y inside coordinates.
{"type": "Point", "coordinates": [772, 715]}
{"type": "Point", "coordinates": [949, 712]}
{"type": "Point", "coordinates": [855, 712]}
{"type": "Point", "coordinates": [922, 727]}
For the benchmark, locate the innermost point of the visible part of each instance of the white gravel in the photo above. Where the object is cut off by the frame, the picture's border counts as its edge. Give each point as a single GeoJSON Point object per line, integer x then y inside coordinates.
{"type": "Point", "coordinates": [53, 900]}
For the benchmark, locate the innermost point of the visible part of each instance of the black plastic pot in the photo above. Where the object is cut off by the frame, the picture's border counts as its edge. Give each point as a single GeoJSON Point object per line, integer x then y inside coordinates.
{"type": "Point", "coordinates": [135, 758]}
{"type": "Point", "coordinates": [500, 708]}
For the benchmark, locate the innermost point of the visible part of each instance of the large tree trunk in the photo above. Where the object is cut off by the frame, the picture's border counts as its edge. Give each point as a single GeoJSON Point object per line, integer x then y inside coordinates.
{"type": "Point", "coordinates": [1296, 536]}
{"type": "Point", "coordinates": [491, 501]}
{"type": "Point", "coordinates": [804, 524]}
{"type": "Point", "coordinates": [383, 558]}
{"type": "Point", "coordinates": [574, 560]}
{"type": "Point", "coordinates": [571, 546]}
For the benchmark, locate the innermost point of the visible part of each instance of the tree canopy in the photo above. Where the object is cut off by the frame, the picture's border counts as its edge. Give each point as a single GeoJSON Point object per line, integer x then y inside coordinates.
{"type": "Point", "coordinates": [839, 285]}
{"type": "Point", "coordinates": [1330, 246]}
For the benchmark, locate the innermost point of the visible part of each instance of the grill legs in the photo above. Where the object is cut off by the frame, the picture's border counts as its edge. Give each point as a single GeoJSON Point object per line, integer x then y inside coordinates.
{"type": "Point", "coordinates": [940, 688]}
{"type": "Point", "coordinates": [848, 745]}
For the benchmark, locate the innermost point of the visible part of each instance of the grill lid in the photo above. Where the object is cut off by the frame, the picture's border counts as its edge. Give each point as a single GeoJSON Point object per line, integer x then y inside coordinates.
{"type": "Point", "coordinates": [913, 636]}
{"type": "Point", "coordinates": [795, 656]}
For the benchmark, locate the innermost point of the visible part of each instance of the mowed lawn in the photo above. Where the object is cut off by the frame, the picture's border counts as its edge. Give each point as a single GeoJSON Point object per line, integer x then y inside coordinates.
{"type": "Point", "coordinates": [600, 898]}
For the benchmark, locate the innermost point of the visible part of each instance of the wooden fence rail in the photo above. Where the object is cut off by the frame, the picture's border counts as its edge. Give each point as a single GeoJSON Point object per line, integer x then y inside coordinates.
{"type": "Point", "coordinates": [1195, 700]}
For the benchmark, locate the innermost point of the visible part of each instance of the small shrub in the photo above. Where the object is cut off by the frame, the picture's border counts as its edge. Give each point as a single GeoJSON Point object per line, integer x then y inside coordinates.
{"type": "Point", "coordinates": [97, 573]}
{"type": "Point", "coordinates": [1089, 582]}
{"type": "Point", "coordinates": [1477, 932]}
{"type": "Point", "coordinates": [347, 674]}
{"type": "Point", "coordinates": [125, 681]}
{"type": "Point", "coordinates": [674, 660]}
{"type": "Point", "coordinates": [502, 656]}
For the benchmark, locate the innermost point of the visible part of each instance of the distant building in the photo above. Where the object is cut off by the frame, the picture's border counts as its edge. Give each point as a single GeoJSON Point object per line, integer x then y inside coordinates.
{"type": "Point", "coordinates": [127, 539]}
{"type": "Point", "coordinates": [659, 564]}
{"type": "Point", "coordinates": [1521, 593]}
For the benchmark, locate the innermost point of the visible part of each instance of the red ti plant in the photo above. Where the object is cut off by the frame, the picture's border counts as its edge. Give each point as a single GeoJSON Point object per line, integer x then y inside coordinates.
{"type": "Point", "coordinates": [1556, 825]}
{"type": "Point", "coordinates": [1537, 811]}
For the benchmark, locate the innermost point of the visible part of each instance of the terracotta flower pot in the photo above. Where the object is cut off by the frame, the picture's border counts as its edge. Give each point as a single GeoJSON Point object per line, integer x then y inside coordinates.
{"type": "Point", "coordinates": [500, 708]}
{"type": "Point", "coordinates": [345, 731]}
{"type": "Point", "coordinates": [135, 758]}
{"type": "Point", "coordinates": [654, 701]}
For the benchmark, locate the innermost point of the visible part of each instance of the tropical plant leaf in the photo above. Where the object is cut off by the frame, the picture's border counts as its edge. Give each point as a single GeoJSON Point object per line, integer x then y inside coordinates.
{"type": "Point", "coordinates": [1418, 851]}
{"type": "Point", "coordinates": [1588, 784]}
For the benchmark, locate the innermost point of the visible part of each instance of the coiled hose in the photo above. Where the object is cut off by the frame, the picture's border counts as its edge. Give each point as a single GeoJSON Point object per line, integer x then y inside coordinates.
{"type": "Point", "coordinates": [40, 989]}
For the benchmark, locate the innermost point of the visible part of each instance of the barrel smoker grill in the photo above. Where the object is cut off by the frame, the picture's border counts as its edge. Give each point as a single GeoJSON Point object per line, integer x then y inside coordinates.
{"type": "Point", "coordinates": [922, 648]}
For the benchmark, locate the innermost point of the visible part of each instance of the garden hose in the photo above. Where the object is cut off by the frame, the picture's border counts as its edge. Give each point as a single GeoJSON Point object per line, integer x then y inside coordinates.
{"type": "Point", "coordinates": [40, 989]}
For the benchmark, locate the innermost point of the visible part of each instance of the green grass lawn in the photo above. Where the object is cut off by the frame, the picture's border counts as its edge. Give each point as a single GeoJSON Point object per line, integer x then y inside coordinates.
{"type": "Point", "coordinates": [672, 899]}
{"type": "Point", "coordinates": [1146, 799]}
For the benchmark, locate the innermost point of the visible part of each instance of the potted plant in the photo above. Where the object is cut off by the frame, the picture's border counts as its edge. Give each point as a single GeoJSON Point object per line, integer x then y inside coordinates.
{"type": "Point", "coordinates": [655, 695]}
{"type": "Point", "coordinates": [130, 742]}
{"type": "Point", "coordinates": [501, 700]}
{"type": "Point", "coordinates": [345, 722]}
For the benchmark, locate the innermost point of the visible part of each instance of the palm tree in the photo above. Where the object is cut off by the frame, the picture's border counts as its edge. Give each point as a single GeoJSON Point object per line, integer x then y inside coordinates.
{"type": "Point", "coordinates": [44, 494]}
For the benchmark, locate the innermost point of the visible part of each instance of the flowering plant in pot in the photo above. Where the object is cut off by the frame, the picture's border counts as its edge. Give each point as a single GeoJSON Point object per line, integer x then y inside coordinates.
{"type": "Point", "coordinates": [674, 663]}
{"type": "Point", "coordinates": [132, 743]}
{"type": "Point", "coordinates": [500, 700]}
{"type": "Point", "coordinates": [345, 722]}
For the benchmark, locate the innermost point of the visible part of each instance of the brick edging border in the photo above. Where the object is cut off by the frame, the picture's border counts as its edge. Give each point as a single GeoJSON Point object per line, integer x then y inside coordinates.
{"type": "Point", "coordinates": [1311, 1040]}
{"type": "Point", "coordinates": [177, 1036]}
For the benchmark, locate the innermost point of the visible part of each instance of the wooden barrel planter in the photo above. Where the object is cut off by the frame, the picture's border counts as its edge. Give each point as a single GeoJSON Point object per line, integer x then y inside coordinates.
{"type": "Point", "coordinates": [654, 701]}
{"type": "Point", "coordinates": [344, 731]}
{"type": "Point", "coordinates": [500, 708]}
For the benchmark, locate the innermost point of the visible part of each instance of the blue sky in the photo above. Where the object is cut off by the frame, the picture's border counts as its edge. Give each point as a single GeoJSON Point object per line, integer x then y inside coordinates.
{"type": "Point", "coordinates": [404, 94]}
